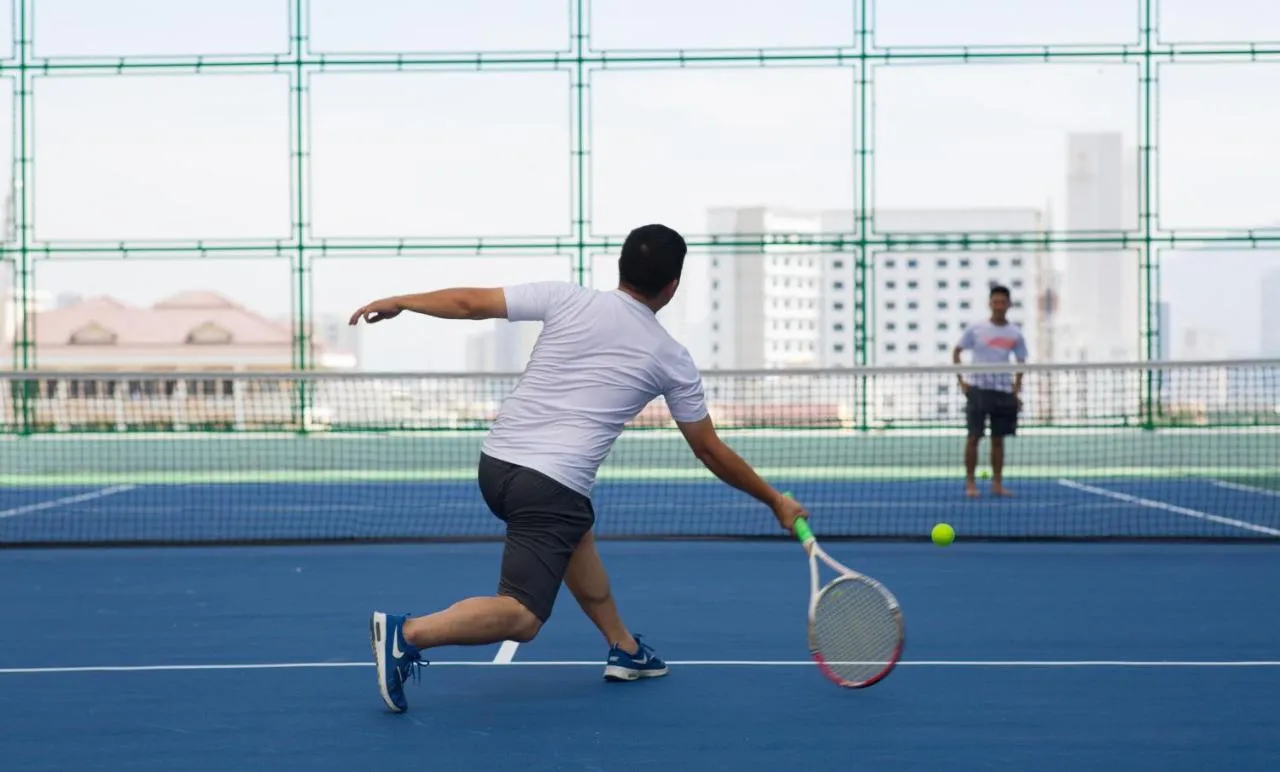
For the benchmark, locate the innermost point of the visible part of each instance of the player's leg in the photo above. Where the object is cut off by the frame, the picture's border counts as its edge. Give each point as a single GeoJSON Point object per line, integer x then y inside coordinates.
{"type": "Point", "coordinates": [398, 641]}
{"type": "Point", "coordinates": [1004, 423]}
{"type": "Point", "coordinates": [545, 521]}
{"type": "Point", "coordinates": [975, 420]}
{"type": "Point", "coordinates": [629, 658]}
{"type": "Point", "coordinates": [587, 580]}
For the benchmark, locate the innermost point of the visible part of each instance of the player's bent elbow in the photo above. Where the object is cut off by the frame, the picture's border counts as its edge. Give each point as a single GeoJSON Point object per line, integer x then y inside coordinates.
{"type": "Point", "coordinates": [478, 304]}
{"type": "Point", "coordinates": [701, 438]}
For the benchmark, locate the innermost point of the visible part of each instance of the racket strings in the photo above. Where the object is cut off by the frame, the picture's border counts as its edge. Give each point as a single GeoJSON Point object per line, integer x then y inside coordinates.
{"type": "Point", "coordinates": [856, 631]}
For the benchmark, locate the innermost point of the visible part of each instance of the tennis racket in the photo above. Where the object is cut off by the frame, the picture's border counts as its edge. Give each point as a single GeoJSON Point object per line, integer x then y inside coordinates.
{"type": "Point", "coordinates": [856, 632]}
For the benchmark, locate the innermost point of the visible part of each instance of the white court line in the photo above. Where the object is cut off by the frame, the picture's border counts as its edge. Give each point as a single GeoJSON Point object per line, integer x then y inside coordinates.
{"type": "Point", "coordinates": [1169, 507]}
{"type": "Point", "coordinates": [506, 653]}
{"type": "Point", "coordinates": [65, 500]}
{"type": "Point", "coordinates": [1244, 488]}
{"type": "Point", "coordinates": [942, 663]}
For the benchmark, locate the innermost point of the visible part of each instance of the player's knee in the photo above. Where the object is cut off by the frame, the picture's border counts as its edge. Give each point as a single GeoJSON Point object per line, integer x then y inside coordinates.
{"type": "Point", "coordinates": [522, 624]}
{"type": "Point", "coordinates": [525, 626]}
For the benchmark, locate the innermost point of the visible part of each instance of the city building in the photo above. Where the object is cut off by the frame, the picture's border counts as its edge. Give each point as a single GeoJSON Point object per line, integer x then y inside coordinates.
{"type": "Point", "coordinates": [188, 333]}
{"type": "Point", "coordinates": [503, 348]}
{"type": "Point", "coordinates": [791, 306]}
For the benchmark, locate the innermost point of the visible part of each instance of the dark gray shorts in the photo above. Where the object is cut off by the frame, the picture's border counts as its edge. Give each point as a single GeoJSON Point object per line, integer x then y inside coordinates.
{"type": "Point", "coordinates": [545, 521]}
{"type": "Point", "coordinates": [999, 406]}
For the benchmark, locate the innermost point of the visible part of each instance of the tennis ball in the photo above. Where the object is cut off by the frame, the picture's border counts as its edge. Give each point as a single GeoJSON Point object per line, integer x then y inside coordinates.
{"type": "Point", "coordinates": [943, 534]}
{"type": "Point", "coordinates": [984, 474]}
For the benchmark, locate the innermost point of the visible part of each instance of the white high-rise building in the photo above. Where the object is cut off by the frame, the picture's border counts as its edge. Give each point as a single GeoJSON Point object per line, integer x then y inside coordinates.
{"type": "Point", "coordinates": [790, 306]}
{"type": "Point", "coordinates": [38, 302]}
{"type": "Point", "coordinates": [504, 348]}
{"type": "Point", "coordinates": [1100, 288]}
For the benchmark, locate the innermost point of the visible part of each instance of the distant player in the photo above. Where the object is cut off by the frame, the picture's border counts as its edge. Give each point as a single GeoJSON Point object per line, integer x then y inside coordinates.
{"type": "Point", "coordinates": [601, 357]}
{"type": "Point", "coordinates": [994, 396]}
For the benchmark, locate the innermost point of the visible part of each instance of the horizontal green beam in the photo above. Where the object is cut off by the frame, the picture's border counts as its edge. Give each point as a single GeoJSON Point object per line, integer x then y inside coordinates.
{"type": "Point", "coordinates": [632, 59]}
{"type": "Point", "coordinates": [837, 241]}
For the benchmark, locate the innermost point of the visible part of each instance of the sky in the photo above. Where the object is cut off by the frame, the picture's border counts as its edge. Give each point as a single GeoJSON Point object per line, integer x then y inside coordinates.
{"type": "Point", "coordinates": [182, 157]}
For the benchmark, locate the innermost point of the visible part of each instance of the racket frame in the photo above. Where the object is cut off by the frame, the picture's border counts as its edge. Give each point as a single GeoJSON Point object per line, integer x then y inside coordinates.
{"type": "Point", "coordinates": [805, 535]}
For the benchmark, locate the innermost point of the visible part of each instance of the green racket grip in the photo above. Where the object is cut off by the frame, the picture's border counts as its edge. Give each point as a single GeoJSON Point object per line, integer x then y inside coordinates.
{"type": "Point", "coordinates": [802, 530]}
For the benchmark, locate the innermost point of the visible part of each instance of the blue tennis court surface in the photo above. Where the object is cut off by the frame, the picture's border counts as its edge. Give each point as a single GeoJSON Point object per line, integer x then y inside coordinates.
{"type": "Point", "coordinates": [1019, 656]}
{"type": "Point", "coordinates": [1062, 507]}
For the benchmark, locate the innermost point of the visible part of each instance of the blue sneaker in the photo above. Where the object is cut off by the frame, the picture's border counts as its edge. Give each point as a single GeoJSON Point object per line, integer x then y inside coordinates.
{"type": "Point", "coordinates": [623, 666]}
{"type": "Point", "coordinates": [395, 658]}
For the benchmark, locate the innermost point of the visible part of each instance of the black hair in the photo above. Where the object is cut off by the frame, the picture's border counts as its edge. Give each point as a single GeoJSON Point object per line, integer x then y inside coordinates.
{"type": "Point", "coordinates": [1000, 289]}
{"type": "Point", "coordinates": [652, 257]}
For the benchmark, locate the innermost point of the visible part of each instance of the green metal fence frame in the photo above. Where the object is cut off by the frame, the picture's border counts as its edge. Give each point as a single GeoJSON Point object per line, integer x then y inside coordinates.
{"type": "Point", "coordinates": [580, 60]}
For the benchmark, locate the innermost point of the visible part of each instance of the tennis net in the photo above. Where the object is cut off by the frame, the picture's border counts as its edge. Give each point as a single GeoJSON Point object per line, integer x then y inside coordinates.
{"type": "Point", "coordinates": [1134, 450]}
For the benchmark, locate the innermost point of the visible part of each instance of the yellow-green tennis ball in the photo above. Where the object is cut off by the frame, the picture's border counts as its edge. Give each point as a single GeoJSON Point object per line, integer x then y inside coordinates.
{"type": "Point", "coordinates": [943, 534]}
{"type": "Point", "coordinates": [984, 474]}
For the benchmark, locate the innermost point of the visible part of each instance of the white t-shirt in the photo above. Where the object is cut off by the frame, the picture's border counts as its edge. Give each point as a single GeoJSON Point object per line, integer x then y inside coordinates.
{"type": "Point", "coordinates": [601, 357]}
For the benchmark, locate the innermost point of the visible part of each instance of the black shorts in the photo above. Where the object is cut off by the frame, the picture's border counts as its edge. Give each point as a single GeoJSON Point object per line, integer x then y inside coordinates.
{"type": "Point", "coordinates": [545, 521]}
{"type": "Point", "coordinates": [1000, 406]}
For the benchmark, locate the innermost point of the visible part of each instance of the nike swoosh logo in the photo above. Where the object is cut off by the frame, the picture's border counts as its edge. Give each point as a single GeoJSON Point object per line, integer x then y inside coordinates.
{"type": "Point", "coordinates": [395, 646]}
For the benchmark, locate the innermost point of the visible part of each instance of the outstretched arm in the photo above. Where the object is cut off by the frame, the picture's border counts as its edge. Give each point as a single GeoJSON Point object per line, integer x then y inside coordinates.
{"type": "Point", "coordinates": [727, 465]}
{"type": "Point", "coordinates": [456, 303]}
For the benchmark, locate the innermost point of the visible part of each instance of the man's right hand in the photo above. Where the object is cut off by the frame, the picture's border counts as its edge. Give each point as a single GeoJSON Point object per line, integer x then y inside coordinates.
{"type": "Point", "coordinates": [788, 510]}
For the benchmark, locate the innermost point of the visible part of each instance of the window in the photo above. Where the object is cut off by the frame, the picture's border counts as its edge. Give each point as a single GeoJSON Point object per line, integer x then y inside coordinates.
{"type": "Point", "coordinates": [1017, 283]}
{"type": "Point", "coordinates": [964, 305]}
{"type": "Point", "coordinates": [891, 326]}
{"type": "Point", "coordinates": [913, 305]}
{"type": "Point", "coordinates": [913, 284]}
{"type": "Point", "coordinates": [837, 285]}
{"type": "Point", "coordinates": [964, 284]}
{"type": "Point", "coordinates": [912, 326]}
{"type": "Point", "coordinates": [890, 263]}
{"type": "Point", "coordinates": [890, 347]}
{"type": "Point", "coordinates": [837, 264]}
{"type": "Point", "coordinates": [1016, 262]}
{"type": "Point", "coordinates": [913, 347]}
{"type": "Point", "coordinates": [964, 262]}
{"type": "Point", "coordinates": [942, 305]}
{"type": "Point", "coordinates": [942, 262]}
{"type": "Point", "coordinates": [993, 262]}
{"type": "Point", "coordinates": [942, 326]}
{"type": "Point", "coordinates": [838, 348]}
{"type": "Point", "coordinates": [891, 285]}
{"type": "Point", "coordinates": [838, 306]}
{"type": "Point", "coordinates": [208, 334]}
{"type": "Point", "coordinates": [912, 263]}
{"type": "Point", "coordinates": [942, 346]}
{"type": "Point", "coordinates": [838, 327]}
{"type": "Point", "coordinates": [891, 306]}
{"type": "Point", "coordinates": [942, 284]}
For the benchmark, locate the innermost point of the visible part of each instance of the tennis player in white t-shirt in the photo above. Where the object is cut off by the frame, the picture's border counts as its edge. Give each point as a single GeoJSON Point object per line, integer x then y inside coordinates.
{"type": "Point", "coordinates": [601, 357]}
{"type": "Point", "coordinates": [991, 396]}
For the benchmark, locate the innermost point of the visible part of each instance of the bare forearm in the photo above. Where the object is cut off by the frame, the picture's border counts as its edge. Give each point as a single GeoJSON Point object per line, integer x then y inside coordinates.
{"type": "Point", "coordinates": [443, 304]}
{"type": "Point", "coordinates": [727, 465]}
